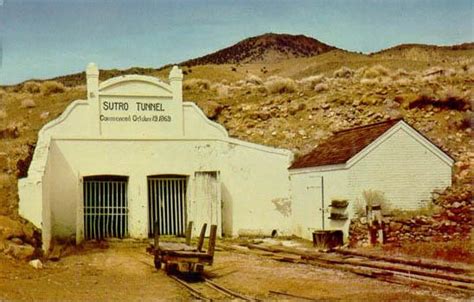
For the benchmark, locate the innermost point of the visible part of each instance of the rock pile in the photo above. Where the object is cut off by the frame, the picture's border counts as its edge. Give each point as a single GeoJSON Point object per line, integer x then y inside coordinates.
{"type": "Point", "coordinates": [18, 240]}
{"type": "Point", "coordinates": [453, 222]}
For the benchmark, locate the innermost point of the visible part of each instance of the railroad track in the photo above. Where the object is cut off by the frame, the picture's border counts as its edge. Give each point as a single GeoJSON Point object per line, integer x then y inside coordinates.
{"type": "Point", "coordinates": [204, 289]}
{"type": "Point", "coordinates": [386, 269]}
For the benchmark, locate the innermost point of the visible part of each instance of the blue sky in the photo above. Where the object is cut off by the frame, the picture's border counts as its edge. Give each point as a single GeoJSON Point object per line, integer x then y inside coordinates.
{"type": "Point", "coordinates": [47, 38]}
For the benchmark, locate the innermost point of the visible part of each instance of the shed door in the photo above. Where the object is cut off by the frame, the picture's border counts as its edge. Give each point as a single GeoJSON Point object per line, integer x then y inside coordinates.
{"type": "Point", "coordinates": [167, 204]}
{"type": "Point", "coordinates": [311, 196]}
{"type": "Point", "coordinates": [105, 207]}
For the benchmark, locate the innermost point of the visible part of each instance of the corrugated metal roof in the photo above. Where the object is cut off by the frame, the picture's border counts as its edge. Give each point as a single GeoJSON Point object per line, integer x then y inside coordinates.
{"type": "Point", "coordinates": [343, 145]}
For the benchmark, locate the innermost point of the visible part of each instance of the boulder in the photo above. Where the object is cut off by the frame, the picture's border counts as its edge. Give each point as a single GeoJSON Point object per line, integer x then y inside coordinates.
{"type": "Point", "coordinates": [212, 109]}
{"type": "Point", "coordinates": [395, 226]}
{"type": "Point", "coordinates": [21, 252]}
{"type": "Point", "coordinates": [36, 263]}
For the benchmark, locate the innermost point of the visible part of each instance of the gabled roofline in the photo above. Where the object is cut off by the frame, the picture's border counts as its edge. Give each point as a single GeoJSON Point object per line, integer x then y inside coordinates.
{"type": "Point", "coordinates": [213, 124]}
{"type": "Point", "coordinates": [402, 125]}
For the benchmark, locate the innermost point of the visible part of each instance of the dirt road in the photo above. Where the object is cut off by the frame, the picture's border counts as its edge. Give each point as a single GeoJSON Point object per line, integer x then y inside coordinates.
{"type": "Point", "coordinates": [124, 272]}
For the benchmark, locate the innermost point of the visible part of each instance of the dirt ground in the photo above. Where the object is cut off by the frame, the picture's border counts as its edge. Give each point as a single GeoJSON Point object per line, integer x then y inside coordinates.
{"type": "Point", "coordinates": [124, 272]}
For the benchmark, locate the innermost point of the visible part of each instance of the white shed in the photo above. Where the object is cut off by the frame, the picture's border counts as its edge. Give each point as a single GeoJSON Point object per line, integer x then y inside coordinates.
{"type": "Point", "coordinates": [391, 157]}
{"type": "Point", "coordinates": [134, 153]}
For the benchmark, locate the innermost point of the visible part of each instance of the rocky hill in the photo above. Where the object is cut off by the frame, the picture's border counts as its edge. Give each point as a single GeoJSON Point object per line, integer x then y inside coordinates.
{"type": "Point", "coordinates": [264, 48]}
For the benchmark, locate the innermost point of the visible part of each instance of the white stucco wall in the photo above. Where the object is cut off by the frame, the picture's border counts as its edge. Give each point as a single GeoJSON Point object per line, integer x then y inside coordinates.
{"type": "Point", "coordinates": [253, 178]}
{"type": "Point", "coordinates": [247, 174]}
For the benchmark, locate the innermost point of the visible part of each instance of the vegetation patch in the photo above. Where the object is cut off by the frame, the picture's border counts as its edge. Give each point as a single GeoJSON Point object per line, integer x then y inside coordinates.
{"type": "Point", "coordinates": [276, 84]}
{"type": "Point", "coordinates": [52, 87]}
{"type": "Point", "coordinates": [450, 102]}
{"type": "Point", "coordinates": [455, 251]}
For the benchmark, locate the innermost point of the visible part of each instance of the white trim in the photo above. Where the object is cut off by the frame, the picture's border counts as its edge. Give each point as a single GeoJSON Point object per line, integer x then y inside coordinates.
{"type": "Point", "coordinates": [324, 168]}
{"type": "Point", "coordinates": [134, 78]}
{"type": "Point", "coordinates": [401, 125]}
{"type": "Point", "coordinates": [260, 147]}
{"type": "Point", "coordinates": [140, 95]}
{"type": "Point", "coordinates": [63, 115]}
{"type": "Point", "coordinates": [204, 117]}
{"type": "Point", "coordinates": [224, 140]}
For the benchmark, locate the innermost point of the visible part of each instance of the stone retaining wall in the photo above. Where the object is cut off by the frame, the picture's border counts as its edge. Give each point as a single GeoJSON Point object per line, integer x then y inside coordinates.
{"type": "Point", "coordinates": [453, 222]}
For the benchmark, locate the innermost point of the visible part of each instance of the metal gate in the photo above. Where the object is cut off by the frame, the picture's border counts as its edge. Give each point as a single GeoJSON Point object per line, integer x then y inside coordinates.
{"type": "Point", "coordinates": [167, 204]}
{"type": "Point", "coordinates": [105, 207]}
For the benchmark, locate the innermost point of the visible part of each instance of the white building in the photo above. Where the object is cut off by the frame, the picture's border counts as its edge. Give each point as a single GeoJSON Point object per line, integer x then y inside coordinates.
{"type": "Point", "coordinates": [134, 153]}
{"type": "Point", "coordinates": [390, 157]}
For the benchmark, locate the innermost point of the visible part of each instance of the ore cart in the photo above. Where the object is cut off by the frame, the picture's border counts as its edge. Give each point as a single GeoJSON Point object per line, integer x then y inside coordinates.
{"type": "Point", "coordinates": [184, 257]}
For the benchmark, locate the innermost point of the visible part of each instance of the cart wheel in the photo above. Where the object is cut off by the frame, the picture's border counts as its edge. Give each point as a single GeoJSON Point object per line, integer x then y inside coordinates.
{"type": "Point", "coordinates": [171, 268]}
{"type": "Point", "coordinates": [157, 261]}
{"type": "Point", "coordinates": [199, 268]}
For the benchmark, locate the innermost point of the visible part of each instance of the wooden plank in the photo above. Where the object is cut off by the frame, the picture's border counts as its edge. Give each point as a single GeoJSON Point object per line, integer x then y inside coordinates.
{"type": "Point", "coordinates": [175, 246]}
{"type": "Point", "coordinates": [212, 240]}
{"type": "Point", "coordinates": [156, 236]}
{"type": "Point", "coordinates": [419, 262]}
{"type": "Point", "coordinates": [201, 237]}
{"type": "Point", "coordinates": [189, 231]}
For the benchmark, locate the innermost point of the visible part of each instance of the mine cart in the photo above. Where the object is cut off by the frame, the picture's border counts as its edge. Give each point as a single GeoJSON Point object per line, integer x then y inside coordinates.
{"type": "Point", "coordinates": [184, 257]}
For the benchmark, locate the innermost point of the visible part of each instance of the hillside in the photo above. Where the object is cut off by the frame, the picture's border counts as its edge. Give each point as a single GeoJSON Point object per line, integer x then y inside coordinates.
{"type": "Point", "coordinates": [264, 49]}
{"type": "Point", "coordinates": [293, 102]}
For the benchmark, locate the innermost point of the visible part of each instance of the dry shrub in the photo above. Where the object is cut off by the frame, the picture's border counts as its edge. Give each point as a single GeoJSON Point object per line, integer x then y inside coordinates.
{"type": "Point", "coordinates": [372, 198]}
{"type": "Point", "coordinates": [310, 82]}
{"type": "Point", "coordinates": [44, 115]}
{"type": "Point", "coordinates": [428, 209]}
{"type": "Point", "coordinates": [360, 71]}
{"type": "Point", "coordinates": [52, 87]}
{"type": "Point", "coordinates": [432, 78]}
{"type": "Point", "coordinates": [376, 71]}
{"type": "Point", "coordinates": [466, 65]}
{"type": "Point", "coordinates": [466, 121]}
{"type": "Point", "coordinates": [253, 79]}
{"type": "Point", "coordinates": [402, 82]}
{"type": "Point", "coordinates": [321, 87]}
{"type": "Point", "coordinates": [385, 81]}
{"type": "Point", "coordinates": [400, 73]}
{"type": "Point", "coordinates": [32, 87]}
{"type": "Point", "coordinates": [3, 114]}
{"type": "Point", "coordinates": [276, 84]}
{"type": "Point", "coordinates": [450, 72]}
{"type": "Point", "coordinates": [196, 84]}
{"type": "Point", "coordinates": [369, 82]}
{"type": "Point", "coordinates": [239, 83]}
{"type": "Point", "coordinates": [435, 70]}
{"type": "Point", "coordinates": [222, 90]}
{"type": "Point", "coordinates": [451, 92]}
{"type": "Point", "coordinates": [28, 103]}
{"type": "Point", "coordinates": [343, 72]}
{"type": "Point", "coordinates": [470, 70]}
